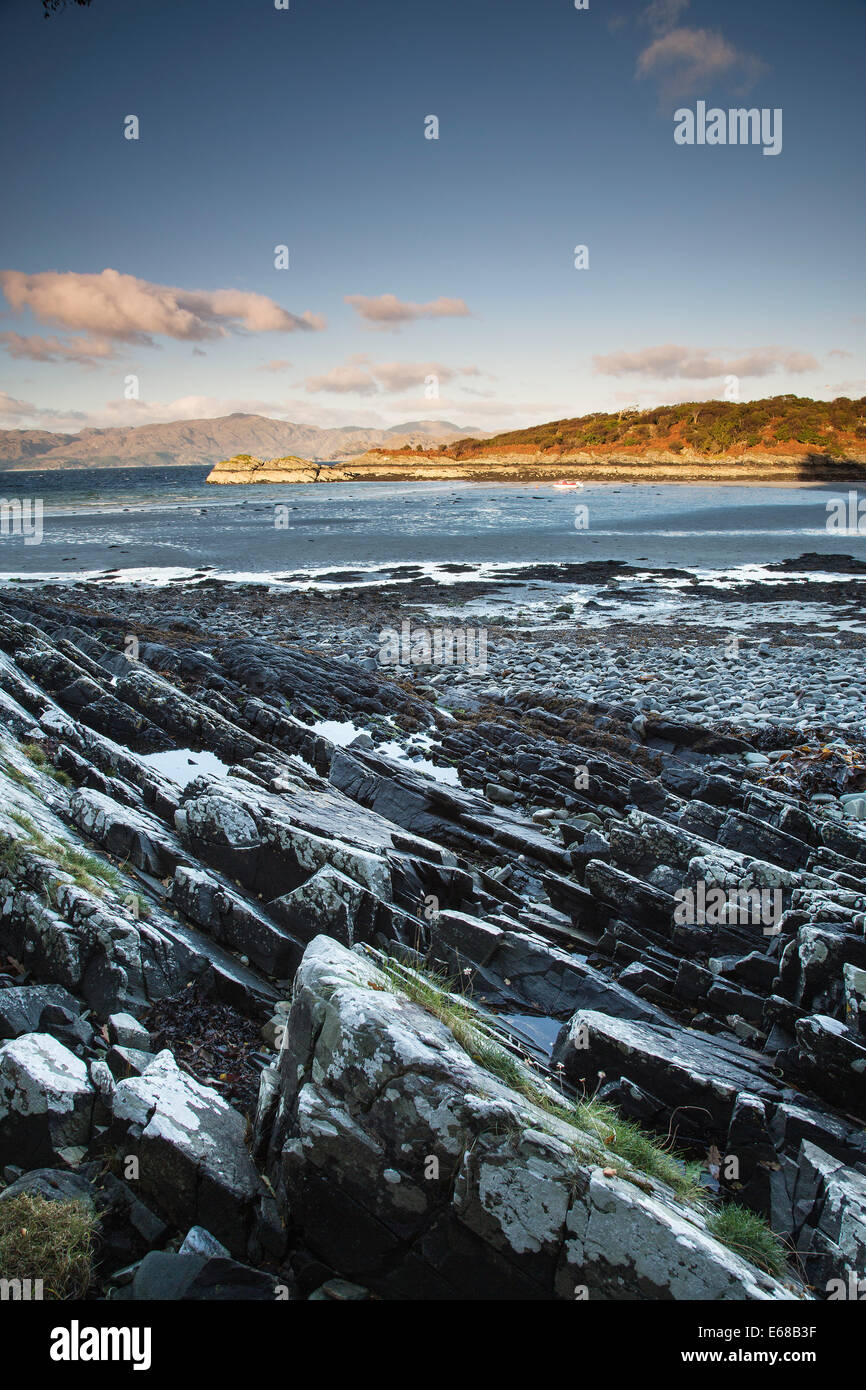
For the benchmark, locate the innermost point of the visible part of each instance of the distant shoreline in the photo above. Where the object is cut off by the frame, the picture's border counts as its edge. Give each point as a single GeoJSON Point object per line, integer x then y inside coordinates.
{"type": "Point", "coordinates": [395, 468]}
{"type": "Point", "coordinates": [372, 469]}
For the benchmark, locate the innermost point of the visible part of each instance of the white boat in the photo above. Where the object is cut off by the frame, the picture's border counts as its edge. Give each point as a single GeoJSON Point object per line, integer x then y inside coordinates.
{"type": "Point", "coordinates": [565, 484]}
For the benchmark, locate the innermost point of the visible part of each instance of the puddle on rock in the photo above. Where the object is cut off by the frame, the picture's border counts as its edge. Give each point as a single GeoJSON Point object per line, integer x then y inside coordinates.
{"type": "Point", "coordinates": [181, 765]}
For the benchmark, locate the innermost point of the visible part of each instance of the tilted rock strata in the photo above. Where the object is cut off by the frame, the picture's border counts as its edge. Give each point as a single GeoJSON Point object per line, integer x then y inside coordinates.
{"type": "Point", "coordinates": [120, 889]}
{"type": "Point", "coordinates": [419, 1174]}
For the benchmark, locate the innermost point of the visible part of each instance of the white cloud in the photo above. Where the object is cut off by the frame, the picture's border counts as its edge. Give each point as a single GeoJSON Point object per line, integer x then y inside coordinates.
{"type": "Point", "coordinates": [86, 352]}
{"type": "Point", "coordinates": [662, 15]}
{"type": "Point", "coordinates": [367, 378]}
{"type": "Point", "coordinates": [685, 61]}
{"type": "Point", "coordinates": [386, 311]}
{"type": "Point", "coordinates": [669, 361]}
{"type": "Point", "coordinates": [492, 415]}
{"type": "Point", "coordinates": [17, 414]}
{"type": "Point", "coordinates": [122, 308]}
{"type": "Point", "coordinates": [854, 388]}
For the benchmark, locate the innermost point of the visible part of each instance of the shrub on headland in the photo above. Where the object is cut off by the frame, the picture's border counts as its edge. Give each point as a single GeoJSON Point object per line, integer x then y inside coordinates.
{"type": "Point", "coordinates": [710, 427]}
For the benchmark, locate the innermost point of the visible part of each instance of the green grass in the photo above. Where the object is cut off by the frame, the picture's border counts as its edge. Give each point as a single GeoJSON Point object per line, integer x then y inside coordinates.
{"type": "Point", "coordinates": [12, 855]}
{"type": "Point", "coordinates": [748, 1234]}
{"type": "Point", "coordinates": [38, 758]}
{"type": "Point", "coordinates": [51, 1241]}
{"type": "Point", "coordinates": [623, 1138]}
{"type": "Point", "coordinates": [87, 870]}
{"type": "Point", "coordinates": [21, 779]}
{"type": "Point", "coordinates": [36, 754]}
{"type": "Point", "coordinates": [628, 1141]}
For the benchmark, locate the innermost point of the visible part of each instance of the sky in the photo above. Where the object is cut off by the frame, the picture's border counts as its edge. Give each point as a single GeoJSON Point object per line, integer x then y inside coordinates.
{"type": "Point", "coordinates": [427, 278]}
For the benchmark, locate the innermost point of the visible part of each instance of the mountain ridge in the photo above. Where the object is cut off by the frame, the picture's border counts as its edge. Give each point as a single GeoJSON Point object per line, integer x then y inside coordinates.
{"type": "Point", "coordinates": [205, 441]}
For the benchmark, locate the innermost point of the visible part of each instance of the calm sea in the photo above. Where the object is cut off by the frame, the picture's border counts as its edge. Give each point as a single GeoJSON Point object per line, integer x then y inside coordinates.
{"type": "Point", "coordinates": [158, 519]}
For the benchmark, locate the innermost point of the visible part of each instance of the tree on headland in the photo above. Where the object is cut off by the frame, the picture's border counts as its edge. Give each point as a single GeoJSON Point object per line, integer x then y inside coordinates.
{"type": "Point", "coordinates": [50, 7]}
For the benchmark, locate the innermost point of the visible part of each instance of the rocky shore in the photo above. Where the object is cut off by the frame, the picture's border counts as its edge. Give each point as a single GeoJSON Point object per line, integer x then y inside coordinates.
{"type": "Point", "coordinates": [550, 466]}
{"type": "Point", "coordinates": [327, 979]}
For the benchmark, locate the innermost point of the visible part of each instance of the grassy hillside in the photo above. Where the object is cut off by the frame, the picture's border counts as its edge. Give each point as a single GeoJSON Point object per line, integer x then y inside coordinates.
{"type": "Point", "coordinates": [778, 425]}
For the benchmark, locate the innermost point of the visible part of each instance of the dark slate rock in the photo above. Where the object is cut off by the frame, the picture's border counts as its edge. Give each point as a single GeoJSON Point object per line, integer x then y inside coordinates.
{"type": "Point", "coordinates": [21, 1007]}
{"type": "Point", "coordinates": [700, 1077]}
{"type": "Point", "coordinates": [199, 1279]}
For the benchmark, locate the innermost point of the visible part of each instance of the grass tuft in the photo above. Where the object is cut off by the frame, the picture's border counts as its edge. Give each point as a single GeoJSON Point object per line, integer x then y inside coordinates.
{"type": "Point", "coordinates": [51, 1241]}
{"type": "Point", "coordinates": [748, 1234]}
{"type": "Point", "coordinates": [21, 779]}
{"type": "Point", "coordinates": [85, 869]}
{"type": "Point", "coordinates": [628, 1141]}
{"type": "Point", "coordinates": [12, 855]}
{"type": "Point", "coordinates": [35, 754]}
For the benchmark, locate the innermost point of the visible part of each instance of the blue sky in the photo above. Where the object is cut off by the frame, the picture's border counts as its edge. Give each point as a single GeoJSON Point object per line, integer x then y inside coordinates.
{"type": "Point", "coordinates": [444, 261]}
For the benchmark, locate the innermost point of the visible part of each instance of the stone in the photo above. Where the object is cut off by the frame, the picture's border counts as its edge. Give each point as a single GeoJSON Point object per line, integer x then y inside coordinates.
{"type": "Point", "coordinates": [834, 1058]}
{"type": "Point", "coordinates": [502, 796]}
{"type": "Point", "coordinates": [329, 901]}
{"type": "Point", "coordinates": [127, 1228]}
{"type": "Point", "coordinates": [370, 1087]}
{"type": "Point", "coordinates": [128, 1061]}
{"type": "Point", "coordinates": [830, 1213]}
{"type": "Point", "coordinates": [340, 1291]}
{"type": "Point", "coordinates": [126, 1030]}
{"type": "Point", "coordinates": [691, 1073]}
{"type": "Point", "coordinates": [198, 1278]}
{"type": "Point", "coordinates": [628, 896]}
{"type": "Point", "coordinates": [198, 1241]}
{"type": "Point", "coordinates": [193, 1161]}
{"type": "Point", "coordinates": [22, 1006]}
{"type": "Point", "coordinates": [854, 984]}
{"type": "Point", "coordinates": [126, 833]}
{"type": "Point", "coordinates": [46, 1100]}
{"type": "Point", "coordinates": [229, 918]}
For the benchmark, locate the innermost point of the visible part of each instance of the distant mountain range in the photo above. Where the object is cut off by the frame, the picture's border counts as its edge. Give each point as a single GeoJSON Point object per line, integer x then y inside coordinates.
{"type": "Point", "coordinates": [205, 442]}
